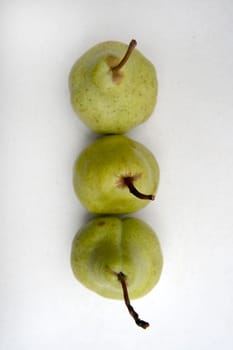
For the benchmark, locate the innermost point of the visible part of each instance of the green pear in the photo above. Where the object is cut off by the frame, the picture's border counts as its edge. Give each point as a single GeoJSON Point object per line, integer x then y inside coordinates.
{"type": "Point", "coordinates": [113, 87]}
{"type": "Point", "coordinates": [117, 258]}
{"type": "Point", "coordinates": [115, 175]}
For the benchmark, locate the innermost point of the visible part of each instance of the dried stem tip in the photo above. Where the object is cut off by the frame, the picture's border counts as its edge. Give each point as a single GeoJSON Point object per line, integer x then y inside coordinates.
{"type": "Point", "coordinates": [122, 278]}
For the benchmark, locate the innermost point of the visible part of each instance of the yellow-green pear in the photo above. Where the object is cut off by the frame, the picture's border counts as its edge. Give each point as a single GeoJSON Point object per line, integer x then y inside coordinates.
{"type": "Point", "coordinates": [117, 258]}
{"type": "Point", "coordinates": [113, 87]}
{"type": "Point", "coordinates": [115, 175]}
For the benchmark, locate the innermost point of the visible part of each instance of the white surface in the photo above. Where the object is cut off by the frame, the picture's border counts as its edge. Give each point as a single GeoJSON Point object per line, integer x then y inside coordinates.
{"type": "Point", "coordinates": [191, 133]}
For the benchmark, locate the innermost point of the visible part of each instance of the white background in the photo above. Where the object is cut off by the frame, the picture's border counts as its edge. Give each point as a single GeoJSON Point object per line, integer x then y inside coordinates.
{"type": "Point", "coordinates": [42, 306]}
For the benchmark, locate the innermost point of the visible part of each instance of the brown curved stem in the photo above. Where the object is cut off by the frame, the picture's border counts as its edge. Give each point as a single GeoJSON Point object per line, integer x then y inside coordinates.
{"type": "Point", "coordinates": [122, 278]}
{"type": "Point", "coordinates": [130, 49]}
{"type": "Point", "coordinates": [128, 181]}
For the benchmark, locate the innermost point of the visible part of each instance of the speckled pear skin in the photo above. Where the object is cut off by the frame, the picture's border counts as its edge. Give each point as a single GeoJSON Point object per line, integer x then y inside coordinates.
{"type": "Point", "coordinates": [107, 106]}
{"type": "Point", "coordinates": [108, 244]}
{"type": "Point", "coordinates": [99, 168]}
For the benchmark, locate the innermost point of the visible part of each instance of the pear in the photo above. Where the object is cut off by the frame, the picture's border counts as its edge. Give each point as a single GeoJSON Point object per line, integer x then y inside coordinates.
{"type": "Point", "coordinates": [117, 259]}
{"type": "Point", "coordinates": [113, 87]}
{"type": "Point", "coordinates": [115, 175]}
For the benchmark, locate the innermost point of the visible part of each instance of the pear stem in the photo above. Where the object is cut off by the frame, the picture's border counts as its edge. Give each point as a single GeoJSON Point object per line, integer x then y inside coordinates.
{"type": "Point", "coordinates": [121, 277]}
{"type": "Point", "coordinates": [130, 49]}
{"type": "Point", "coordinates": [128, 181]}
